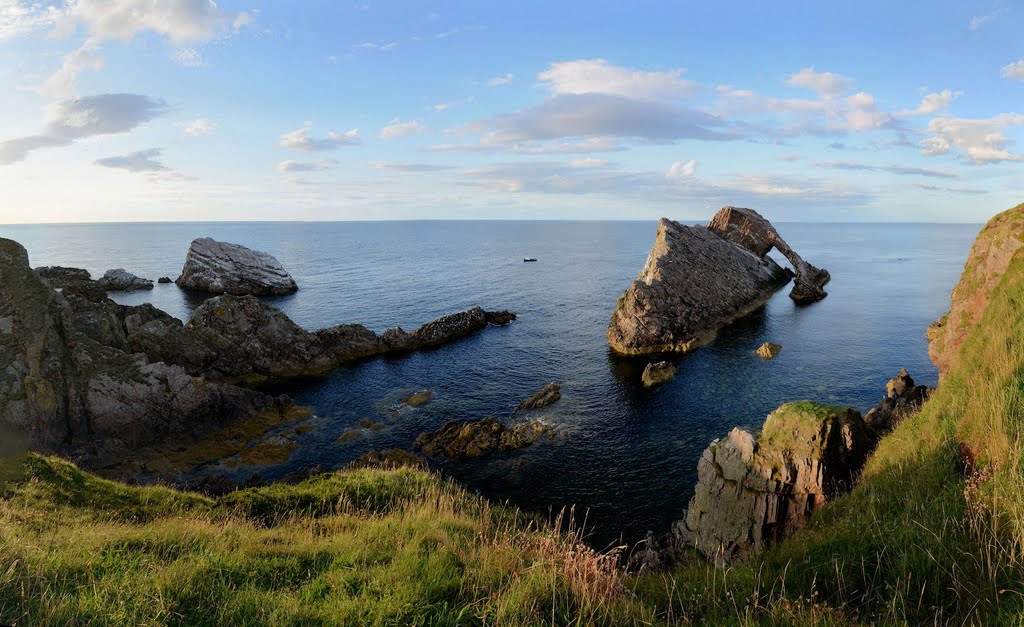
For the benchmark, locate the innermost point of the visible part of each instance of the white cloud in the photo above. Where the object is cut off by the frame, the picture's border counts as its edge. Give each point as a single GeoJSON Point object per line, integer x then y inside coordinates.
{"type": "Point", "coordinates": [891, 169]}
{"type": "Point", "coordinates": [588, 162]}
{"type": "Point", "coordinates": [306, 166]}
{"type": "Point", "coordinates": [200, 126]}
{"type": "Point", "coordinates": [141, 161]}
{"type": "Point", "coordinates": [682, 169]}
{"type": "Point", "coordinates": [189, 57]}
{"type": "Point", "coordinates": [980, 20]}
{"type": "Point", "coordinates": [596, 76]}
{"type": "Point", "coordinates": [397, 129]}
{"type": "Point", "coordinates": [862, 114]}
{"type": "Point", "coordinates": [301, 140]}
{"type": "Point", "coordinates": [1014, 70]}
{"type": "Point", "coordinates": [501, 80]}
{"type": "Point", "coordinates": [411, 167]}
{"type": "Point", "coordinates": [978, 141]}
{"type": "Point", "coordinates": [827, 84]}
{"type": "Point", "coordinates": [20, 17]}
{"type": "Point", "coordinates": [179, 21]}
{"type": "Point", "coordinates": [372, 45]}
{"type": "Point", "coordinates": [62, 83]}
{"type": "Point", "coordinates": [72, 120]}
{"type": "Point", "coordinates": [932, 103]}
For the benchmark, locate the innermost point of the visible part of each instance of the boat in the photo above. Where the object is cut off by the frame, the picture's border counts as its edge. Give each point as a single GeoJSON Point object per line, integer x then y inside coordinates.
{"type": "Point", "coordinates": [529, 259]}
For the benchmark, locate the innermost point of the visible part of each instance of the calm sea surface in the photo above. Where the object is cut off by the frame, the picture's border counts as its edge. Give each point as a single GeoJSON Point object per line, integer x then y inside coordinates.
{"type": "Point", "coordinates": [626, 457]}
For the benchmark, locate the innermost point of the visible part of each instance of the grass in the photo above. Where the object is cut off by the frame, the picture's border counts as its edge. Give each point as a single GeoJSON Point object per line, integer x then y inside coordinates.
{"type": "Point", "coordinates": [933, 533]}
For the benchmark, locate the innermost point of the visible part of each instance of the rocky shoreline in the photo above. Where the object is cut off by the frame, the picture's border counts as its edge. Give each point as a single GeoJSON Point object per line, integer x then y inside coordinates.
{"type": "Point", "coordinates": [103, 383]}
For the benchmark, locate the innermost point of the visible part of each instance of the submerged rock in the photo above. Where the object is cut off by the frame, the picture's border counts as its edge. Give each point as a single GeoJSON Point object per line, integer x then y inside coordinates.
{"type": "Point", "coordinates": [697, 280]}
{"type": "Point", "coordinates": [768, 350]}
{"type": "Point", "coordinates": [419, 399]}
{"type": "Point", "coordinates": [551, 393]}
{"type": "Point", "coordinates": [120, 280]}
{"type": "Point", "coordinates": [753, 491]}
{"type": "Point", "coordinates": [460, 440]}
{"type": "Point", "coordinates": [657, 373]}
{"type": "Point", "coordinates": [224, 268]}
{"type": "Point", "coordinates": [902, 399]}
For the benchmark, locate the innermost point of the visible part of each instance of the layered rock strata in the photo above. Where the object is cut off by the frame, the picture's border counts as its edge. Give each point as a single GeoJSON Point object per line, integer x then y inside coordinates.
{"type": "Point", "coordinates": [224, 268]}
{"type": "Point", "coordinates": [755, 490]}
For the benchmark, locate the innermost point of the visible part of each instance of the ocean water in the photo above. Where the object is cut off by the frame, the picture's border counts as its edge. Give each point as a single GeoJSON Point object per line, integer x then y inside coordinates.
{"type": "Point", "coordinates": [624, 456]}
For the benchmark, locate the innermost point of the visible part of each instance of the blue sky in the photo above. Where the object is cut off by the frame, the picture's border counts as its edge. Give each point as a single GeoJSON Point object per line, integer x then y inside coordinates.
{"type": "Point", "coordinates": [141, 110]}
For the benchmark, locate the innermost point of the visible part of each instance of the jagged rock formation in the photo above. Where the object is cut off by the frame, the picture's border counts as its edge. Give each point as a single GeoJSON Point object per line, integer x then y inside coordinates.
{"type": "Point", "coordinates": [69, 392]}
{"type": "Point", "coordinates": [747, 228]}
{"type": "Point", "coordinates": [551, 393]}
{"type": "Point", "coordinates": [902, 399]}
{"type": "Point", "coordinates": [240, 338]}
{"type": "Point", "coordinates": [224, 268]}
{"type": "Point", "coordinates": [697, 280]}
{"type": "Point", "coordinates": [461, 440]}
{"type": "Point", "coordinates": [120, 280]}
{"type": "Point", "coordinates": [991, 254]}
{"type": "Point", "coordinates": [657, 373]}
{"type": "Point", "coordinates": [768, 350]}
{"type": "Point", "coordinates": [752, 491]}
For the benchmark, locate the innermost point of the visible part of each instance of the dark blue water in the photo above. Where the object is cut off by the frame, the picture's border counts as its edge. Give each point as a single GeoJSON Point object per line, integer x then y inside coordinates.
{"type": "Point", "coordinates": [624, 455]}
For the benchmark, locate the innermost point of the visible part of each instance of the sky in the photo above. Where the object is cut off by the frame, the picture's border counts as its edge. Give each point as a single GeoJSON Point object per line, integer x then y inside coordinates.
{"type": "Point", "coordinates": [166, 110]}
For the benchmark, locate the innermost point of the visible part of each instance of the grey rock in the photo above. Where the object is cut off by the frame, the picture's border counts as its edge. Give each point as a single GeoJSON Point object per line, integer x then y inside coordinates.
{"type": "Point", "coordinates": [753, 491]}
{"type": "Point", "coordinates": [120, 280]}
{"type": "Point", "coordinates": [657, 373]}
{"type": "Point", "coordinates": [699, 279]}
{"type": "Point", "coordinates": [224, 268]}
{"type": "Point", "coordinates": [164, 280]}
{"type": "Point", "coordinates": [902, 399]}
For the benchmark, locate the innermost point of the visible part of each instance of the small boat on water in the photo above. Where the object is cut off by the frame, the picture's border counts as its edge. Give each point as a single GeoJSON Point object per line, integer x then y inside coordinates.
{"type": "Point", "coordinates": [529, 259]}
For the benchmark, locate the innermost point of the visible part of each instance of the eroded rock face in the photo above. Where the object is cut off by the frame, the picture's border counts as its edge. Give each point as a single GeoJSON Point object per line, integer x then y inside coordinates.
{"type": "Point", "coordinates": [224, 268]}
{"type": "Point", "coordinates": [747, 228]}
{"type": "Point", "coordinates": [461, 440]}
{"type": "Point", "coordinates": [657, 373]}
{"type": "Point", "coordinates": [753, 491]}
{"type": "Point", "coordinates": [551, 393]}
{"type": "Point", "coordinates": [902, 399]}
{"type": "Point", "coordinates": [120, 280]}
{"type": "Point", "coordinates": [694, 283]}
{"type": "Point", "coordinates": [991, 254]}
{"type": "Point", "coordinates": [69, 392]}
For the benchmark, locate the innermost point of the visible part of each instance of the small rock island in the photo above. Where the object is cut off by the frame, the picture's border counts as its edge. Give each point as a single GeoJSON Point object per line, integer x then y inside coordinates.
{"type": "Point", "coordinates": [223, 268]}
{"type": "Point", "coordinates": [698, 279]}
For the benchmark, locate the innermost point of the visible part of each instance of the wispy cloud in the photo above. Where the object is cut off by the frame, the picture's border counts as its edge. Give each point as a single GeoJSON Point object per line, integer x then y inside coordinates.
{"type": "Point", "coordinates": [302, 141]}
{"type": "Point", "coordinates": [504, 79]}
{"type": "Point", "coordinates": [397, 128]}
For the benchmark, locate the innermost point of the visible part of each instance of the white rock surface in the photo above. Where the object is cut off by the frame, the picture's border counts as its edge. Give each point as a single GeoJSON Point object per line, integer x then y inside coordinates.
{"type": "Point", "coordinates": [224, 268]}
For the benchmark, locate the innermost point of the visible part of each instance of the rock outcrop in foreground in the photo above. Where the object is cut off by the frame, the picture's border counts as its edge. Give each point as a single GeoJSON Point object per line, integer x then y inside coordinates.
{"type": "Point", "coordinates": [698, 279]}
{"type": "Point", "coordinates": [752, 491]}
{"type": "Point", "coordinates": [67, 391]}
{"type": "Point", "coordinates": [224, 268]}
{"type": "Point", "coordinates": [657, 373]}
{"type": "Point", "coordinates": [990, 256]}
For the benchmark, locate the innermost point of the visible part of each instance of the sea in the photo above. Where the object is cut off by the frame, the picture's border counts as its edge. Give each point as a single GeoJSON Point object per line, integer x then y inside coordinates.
{"type": "Point", "coordinates": [624, 458]}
